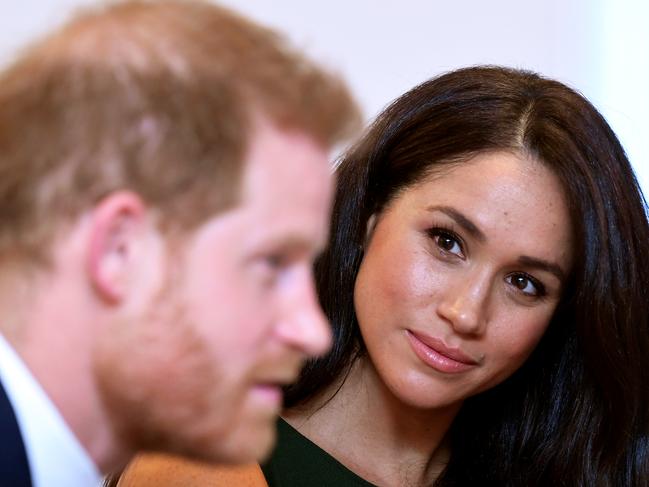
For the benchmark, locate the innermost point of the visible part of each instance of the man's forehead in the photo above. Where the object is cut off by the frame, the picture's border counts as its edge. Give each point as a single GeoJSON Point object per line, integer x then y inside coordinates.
{"type": "Point", "coordinates": [268, 137]}
{"type": "Point", "coordinates": [286, 166]}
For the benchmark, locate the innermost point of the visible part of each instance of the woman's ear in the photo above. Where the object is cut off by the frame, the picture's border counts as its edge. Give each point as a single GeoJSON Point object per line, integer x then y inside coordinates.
{"type": "Point", "coordinates": [116, 228]}
{"type": "Point", "coordinates": [369, 229]}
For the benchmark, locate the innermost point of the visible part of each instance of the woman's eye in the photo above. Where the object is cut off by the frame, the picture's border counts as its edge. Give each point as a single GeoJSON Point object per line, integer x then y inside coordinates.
{"type": "Point", "coordinates": [447, 242]}
{"type": "Point", "coordinates": [526, 284]}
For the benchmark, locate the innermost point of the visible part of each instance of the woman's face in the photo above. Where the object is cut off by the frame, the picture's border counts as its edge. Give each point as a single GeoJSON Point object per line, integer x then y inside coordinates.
{"type": "Point", "coordinates": [461, 275]}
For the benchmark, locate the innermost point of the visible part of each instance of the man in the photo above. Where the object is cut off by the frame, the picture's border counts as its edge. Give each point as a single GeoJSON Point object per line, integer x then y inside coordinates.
{"type": "Point", "coordinates": [164, 189]}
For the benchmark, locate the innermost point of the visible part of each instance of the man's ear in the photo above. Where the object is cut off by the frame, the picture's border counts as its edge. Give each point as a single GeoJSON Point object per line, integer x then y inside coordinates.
{"type": "Point", "coordinates": [115, 231]}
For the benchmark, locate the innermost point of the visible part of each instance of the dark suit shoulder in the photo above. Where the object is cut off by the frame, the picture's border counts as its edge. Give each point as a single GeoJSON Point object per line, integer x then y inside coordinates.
{"type": "Point", "coordinates": [14, 467]}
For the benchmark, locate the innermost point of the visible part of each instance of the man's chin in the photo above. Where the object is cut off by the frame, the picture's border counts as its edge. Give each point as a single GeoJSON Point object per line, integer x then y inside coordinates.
{"type": "Point", "coordinates": [247, 446]}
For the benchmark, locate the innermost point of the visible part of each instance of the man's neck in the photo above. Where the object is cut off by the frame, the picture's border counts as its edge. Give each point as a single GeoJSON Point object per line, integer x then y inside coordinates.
{"type": "Point", "coordinates": [51, 337]}
{"type": "Point", "coordinates": [54, 454]}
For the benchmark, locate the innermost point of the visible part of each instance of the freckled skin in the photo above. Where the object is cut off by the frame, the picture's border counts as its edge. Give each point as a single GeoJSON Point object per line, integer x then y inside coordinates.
{"type": "Point", "coordinates": [407, 281]}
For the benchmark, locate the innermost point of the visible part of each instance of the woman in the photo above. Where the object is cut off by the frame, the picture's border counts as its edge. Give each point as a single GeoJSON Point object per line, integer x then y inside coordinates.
{"type": "Point", "coordinates": [486, 278]}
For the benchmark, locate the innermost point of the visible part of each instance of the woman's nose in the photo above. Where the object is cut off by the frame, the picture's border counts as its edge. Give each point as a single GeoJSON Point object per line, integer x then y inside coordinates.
{"type": "Point", "coordinates": [463, 305]}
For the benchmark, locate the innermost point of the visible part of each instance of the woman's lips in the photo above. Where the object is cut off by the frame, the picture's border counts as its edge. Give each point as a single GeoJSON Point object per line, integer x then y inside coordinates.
{"type": "Point", "coordinates": [434, 353]}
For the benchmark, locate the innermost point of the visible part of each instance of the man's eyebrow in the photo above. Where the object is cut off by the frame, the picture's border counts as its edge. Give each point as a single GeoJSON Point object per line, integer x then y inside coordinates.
{"type": "Point", "coordinates": [295, 244]}
{"type": "Point", "coordinates": [543, 265]}
{"type": "Point", "coordinates": [461, 220]}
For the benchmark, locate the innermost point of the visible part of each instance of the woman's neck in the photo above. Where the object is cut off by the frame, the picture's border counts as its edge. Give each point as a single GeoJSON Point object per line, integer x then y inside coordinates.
{"type": "Point", "coordinates": [367, 429]}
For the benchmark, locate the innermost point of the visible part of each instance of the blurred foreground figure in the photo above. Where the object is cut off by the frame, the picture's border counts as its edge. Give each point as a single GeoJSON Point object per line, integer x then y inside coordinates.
{"type": "Point", "coordinates": [164, 189]}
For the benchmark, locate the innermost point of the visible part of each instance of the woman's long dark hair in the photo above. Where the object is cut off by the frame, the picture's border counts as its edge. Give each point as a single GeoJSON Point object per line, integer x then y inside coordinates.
{"type": "Point", "coordinates": [577, 413]}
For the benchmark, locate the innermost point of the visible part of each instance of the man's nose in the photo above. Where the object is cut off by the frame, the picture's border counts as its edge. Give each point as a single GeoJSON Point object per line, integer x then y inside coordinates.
{"type": "Point", "coordinates": [303, 325]}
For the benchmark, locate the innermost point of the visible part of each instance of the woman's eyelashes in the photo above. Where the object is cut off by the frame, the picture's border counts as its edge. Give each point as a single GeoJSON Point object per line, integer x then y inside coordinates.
{"type": "Point", "coordinates": [449, 244]}
{"type": "Point", "coordinates": [526, 284]}
{"type": "Point", "coordinates": [447, 241]}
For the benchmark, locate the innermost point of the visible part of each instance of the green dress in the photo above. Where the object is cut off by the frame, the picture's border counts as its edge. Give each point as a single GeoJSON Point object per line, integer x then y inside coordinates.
{"type": "Point", "coordinates": [298, 462]}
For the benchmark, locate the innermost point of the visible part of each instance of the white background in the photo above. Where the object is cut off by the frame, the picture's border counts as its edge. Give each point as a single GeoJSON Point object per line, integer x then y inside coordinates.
{"type": "Point", "coordinates": [385, 47]}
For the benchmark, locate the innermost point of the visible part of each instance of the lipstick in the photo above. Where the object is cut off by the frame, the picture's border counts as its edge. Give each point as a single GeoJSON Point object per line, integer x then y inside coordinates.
{"type": "Point", "coordinates": [437, 355]}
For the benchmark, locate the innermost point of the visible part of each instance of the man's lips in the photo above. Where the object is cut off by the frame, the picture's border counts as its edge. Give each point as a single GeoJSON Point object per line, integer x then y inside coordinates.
{"type": "Point", "coordinates": [278, 382]}
{"type": "Point", "coordinates": [268, 393]}
{"type": "Point", "coordinates": [278, 379]}
{"type": "Point", "coordinates": [269, 389]}
{"type": "Point", "coordinates": [439, 356]}
{"type": "Point", "coordinates": [270, 376]}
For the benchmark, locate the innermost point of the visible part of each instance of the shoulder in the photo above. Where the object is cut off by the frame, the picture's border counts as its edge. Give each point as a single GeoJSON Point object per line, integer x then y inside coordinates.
{"type": "Point", "coordinates": [14, 467]}
{"type": "Point", "coordinates": [298, 461]}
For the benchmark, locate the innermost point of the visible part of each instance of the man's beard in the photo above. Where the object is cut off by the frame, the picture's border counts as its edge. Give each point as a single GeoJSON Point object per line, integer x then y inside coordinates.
{"type": "Point", "coordinates": [159, 384]}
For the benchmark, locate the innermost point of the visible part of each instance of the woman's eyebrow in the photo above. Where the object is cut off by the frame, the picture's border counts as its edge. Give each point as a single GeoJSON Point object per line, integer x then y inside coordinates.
{"type": "Point", "coordinates": [461, 220]}
{"type": "Point", "coordinates": [543, 265]}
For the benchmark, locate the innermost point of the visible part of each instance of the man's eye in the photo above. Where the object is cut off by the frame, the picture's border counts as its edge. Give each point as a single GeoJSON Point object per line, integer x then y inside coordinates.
{"type": "Point", "coordinates": [447, 242]}
{"type": "Point", "coordinates": [526, 285]}
{"type": "Point", "coordinates": [275, 261]}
